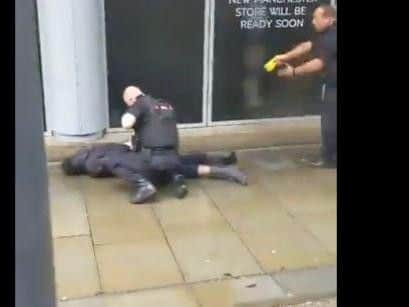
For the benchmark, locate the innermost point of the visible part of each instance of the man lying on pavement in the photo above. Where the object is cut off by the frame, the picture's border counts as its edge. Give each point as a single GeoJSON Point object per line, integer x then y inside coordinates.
{"type": "Point", "coordinates": [119, 160]}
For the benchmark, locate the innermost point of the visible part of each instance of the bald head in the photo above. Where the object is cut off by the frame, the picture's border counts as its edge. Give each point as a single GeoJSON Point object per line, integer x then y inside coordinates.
{"type": "Point", "coordinates": [324, 17]}
{"type": "Point", "coordinates": [328, 11]}
{"type": "Point", "coordinates": [130, 94]}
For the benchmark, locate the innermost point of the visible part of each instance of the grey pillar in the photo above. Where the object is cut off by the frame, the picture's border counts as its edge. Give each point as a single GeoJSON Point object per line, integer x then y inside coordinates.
{"type": "Point", "coordinates": [72, 42]}
{"type": "Point", "coordinates": [34, 283]}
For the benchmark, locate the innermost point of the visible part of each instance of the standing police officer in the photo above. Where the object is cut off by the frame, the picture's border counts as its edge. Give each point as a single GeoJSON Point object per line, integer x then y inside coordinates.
{"type": "Point", "coordinates": [324, 50]}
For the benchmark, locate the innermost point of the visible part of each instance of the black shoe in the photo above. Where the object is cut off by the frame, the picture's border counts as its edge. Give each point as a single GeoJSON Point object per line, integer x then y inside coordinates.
{"type": "Point", "coordinates": [181, 191]}
{"type": "Point", "coordinates": [143, 194]}
{"type": "Point", "coordinates": [179, 186]}
{"type": "Point", "coordinates": [231, 159]}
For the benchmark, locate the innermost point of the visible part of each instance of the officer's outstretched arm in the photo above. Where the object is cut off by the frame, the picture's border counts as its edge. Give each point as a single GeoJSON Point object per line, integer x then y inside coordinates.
{"type": "Point", "coordinates": [128, 120]}
{"type": "Point", "coordinates": [310, 67]}
{"type": "Point", "coordinates": [297, 52]}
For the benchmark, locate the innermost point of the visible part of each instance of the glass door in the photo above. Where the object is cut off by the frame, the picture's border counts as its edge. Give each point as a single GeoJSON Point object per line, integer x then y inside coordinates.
{"type": "Point", "coordinates": [159, 45]}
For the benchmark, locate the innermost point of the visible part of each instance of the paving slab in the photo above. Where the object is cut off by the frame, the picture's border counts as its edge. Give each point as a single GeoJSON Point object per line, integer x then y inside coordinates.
{"type": "Point", "coordinates": [309, 284]}
{"type": "Point", "coordinates": [67, 207]}
{"type": "Point", "coordinates": [204, 244]}
{"type": "Point", "coordinates": [133, 266]}
{"type": "Point", "coordinates": [260, 291]}
{"type": "Point", "coordinates": [75, 267]}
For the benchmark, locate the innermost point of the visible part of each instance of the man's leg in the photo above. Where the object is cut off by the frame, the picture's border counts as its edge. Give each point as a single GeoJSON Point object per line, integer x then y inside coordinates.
{"type": "Point", "coordinates": [142, 189]}
{"type": "Point", "coordinates": [209, 159]}
{"type": "Point", "coordinates": [179, 185]}
{"type": "Point", "coordinates": [227, 173]}
{"type": "Point", "coordinates": [329, 127]}
{"type": "Point", "coordinates": [168, 161]}
{"type": "Point", "coordinates": [324, 135]}
{"type": "Point", "coordinates": [230, 173]}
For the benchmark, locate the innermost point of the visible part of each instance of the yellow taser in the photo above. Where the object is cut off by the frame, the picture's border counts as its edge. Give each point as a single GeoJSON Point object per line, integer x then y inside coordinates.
{"type": "Point", "coordinates": [270, 65]}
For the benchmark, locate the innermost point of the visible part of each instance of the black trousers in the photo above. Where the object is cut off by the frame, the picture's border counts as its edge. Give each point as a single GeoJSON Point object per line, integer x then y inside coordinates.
{"type": "Point", "coordinates": [329, 125]}
{"type": "Point", "coordinates": [190, 163]}
{"type": "Point", "coordinates": [170, 162]}
{"type": "Point", "coordinates": [163, 165]}
{"type": "Point", "coordinates": [187, 165]}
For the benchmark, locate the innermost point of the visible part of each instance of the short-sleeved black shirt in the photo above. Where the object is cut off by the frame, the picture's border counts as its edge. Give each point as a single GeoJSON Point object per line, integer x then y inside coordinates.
{"type": "Point", "coordinates": [156, 123]}
{"type": "Point", "coordinates": [325, 48]}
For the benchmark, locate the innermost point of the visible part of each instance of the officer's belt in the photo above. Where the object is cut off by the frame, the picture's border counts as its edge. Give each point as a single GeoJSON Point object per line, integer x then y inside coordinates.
{"type": "Point", "coordinates": [149, 150]}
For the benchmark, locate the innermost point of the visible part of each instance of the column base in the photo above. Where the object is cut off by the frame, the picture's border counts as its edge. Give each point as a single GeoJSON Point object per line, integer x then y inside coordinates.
{"type": "Point", "coordinates": [77, 138]}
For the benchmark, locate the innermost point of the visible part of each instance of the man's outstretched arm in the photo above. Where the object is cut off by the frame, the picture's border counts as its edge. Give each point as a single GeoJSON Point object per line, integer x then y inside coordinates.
{"type": "Point", "coordinates": [314, 66]}
{"type": "Point", "coordinates": [298, 51]}
{"type": "Point", "coordinates": [310, 67]}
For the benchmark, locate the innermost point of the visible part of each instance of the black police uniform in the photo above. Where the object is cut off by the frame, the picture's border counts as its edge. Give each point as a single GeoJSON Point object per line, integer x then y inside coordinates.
{"type": "Point", "coordinates": [156, 130]}
{"type": "Point", "coordinates": [325, 48]}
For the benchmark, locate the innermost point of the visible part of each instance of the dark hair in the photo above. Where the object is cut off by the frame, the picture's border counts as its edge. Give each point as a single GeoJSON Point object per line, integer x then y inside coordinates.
{"type": "Point", "coordinates": [69, 168]}
{"type": "Point", "coordinates": [329, 10]}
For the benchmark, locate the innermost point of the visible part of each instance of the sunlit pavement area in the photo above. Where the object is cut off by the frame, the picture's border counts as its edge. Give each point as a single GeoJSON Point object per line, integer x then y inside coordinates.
{"type": "Point", "coordinates": [270, 243]}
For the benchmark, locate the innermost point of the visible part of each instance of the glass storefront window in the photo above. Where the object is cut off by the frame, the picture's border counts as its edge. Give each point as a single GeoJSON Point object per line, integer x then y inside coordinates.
{"type": "Point", "coordinates": [157, 44]}
{"type": "Point", "coordinates": [181, 49]}
{"type": "Point", "coordinates": [245, 37]}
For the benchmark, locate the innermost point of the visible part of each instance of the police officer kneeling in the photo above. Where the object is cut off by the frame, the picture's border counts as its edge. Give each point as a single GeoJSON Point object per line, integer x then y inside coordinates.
{"type": "Point", "coordinates": [154, 121]}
